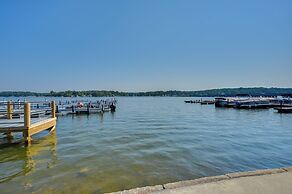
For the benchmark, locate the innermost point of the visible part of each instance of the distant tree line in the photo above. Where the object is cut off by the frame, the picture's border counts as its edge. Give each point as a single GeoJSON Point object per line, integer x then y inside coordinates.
{"type": "Point", "coordinates": [258, 91]}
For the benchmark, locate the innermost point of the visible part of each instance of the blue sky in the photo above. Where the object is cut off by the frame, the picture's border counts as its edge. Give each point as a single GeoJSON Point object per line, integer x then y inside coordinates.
{"type": "Point", "coordinates": [142, 45]}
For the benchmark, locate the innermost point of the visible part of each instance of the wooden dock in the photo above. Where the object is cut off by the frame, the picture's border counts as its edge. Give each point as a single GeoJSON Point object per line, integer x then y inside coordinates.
{"type": "Point", "coordinates": [30, 124]}
{"type": "Point", "coordinates": [80, 107]}
{"type": "Point", "coordinates": [284, 109]}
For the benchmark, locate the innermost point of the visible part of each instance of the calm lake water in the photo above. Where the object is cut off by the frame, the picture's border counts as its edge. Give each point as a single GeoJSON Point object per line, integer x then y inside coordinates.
{"type": "Point", "coordinates": [147, 141]}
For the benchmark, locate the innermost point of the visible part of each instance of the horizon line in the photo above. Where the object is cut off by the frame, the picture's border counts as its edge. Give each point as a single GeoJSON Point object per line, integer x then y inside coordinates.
{"type": "Point", "coordinates": [78, 90]}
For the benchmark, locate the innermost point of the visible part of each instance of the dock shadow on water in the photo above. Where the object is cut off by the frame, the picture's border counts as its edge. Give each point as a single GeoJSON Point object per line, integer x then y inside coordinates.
{"type": "Point", "coordinates": [147, 141]}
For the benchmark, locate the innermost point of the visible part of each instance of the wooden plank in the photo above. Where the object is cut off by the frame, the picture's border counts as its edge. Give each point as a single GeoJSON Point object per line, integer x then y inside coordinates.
{"type": "Point", "coordinates": [12, 129]}
{"type": "Point", "coordinates": [41, 126]}
{"type": "Point", "coordinates": [17, 124]}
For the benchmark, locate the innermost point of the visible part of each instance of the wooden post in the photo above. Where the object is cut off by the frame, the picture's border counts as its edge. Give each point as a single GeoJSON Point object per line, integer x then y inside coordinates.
{"type": "Point", "coordinates": [27, 115]}
{"type": "Point", "coordinates": [26, 134]}
{"type": "Point", "coordinates": [53, 109]}
{"type": "Point", "coordinates": [9, 110]}
{"type": "Point", "coordinates": [9, 136]}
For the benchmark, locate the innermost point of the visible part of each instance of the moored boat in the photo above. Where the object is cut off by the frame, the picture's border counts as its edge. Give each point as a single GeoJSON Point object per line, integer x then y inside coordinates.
{"type": "Point", "coordinates": [253, 104]}
{"type": "Point", "coordinates": [224, 102]}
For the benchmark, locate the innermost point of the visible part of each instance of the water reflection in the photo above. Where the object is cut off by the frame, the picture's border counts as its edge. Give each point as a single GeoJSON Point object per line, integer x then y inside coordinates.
{"type": "Point", "coordinates": [100, 117]}
{"type": "Point", "coordinates": [20, 160]}
{"type": "Point", "coordinates": [112, 115]}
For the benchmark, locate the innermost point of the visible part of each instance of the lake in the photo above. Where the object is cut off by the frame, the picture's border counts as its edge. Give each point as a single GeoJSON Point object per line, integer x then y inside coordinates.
{"type": "Point", "coordinates": [147, 141]}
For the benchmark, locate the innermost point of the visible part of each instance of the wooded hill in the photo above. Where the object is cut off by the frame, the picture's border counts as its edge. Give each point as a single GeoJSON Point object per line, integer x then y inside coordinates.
{"type": "Point", "coordinates": [258, 91]}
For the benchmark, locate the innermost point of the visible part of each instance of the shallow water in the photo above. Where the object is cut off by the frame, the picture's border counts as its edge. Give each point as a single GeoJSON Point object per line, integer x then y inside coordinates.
{"type": "Point", "coordinates": [147, 141]}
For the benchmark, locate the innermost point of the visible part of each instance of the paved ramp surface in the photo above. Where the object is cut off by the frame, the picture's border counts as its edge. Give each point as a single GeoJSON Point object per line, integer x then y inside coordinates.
{"type": "Point", "coordinates": [265, 184]}
{"type": "Point", "coordinates": [271, 181]}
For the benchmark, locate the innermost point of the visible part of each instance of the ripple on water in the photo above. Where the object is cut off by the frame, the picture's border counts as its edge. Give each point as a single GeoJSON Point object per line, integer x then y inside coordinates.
{"type": "Point", "coordinates": [147, 141]}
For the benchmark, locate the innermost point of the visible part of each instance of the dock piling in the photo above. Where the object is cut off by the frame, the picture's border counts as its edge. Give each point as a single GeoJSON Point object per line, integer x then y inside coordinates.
{"type": "Point", "coordinates": [9, 110]}
{"type": "Point", "coordinates": [53, 109]}
{"type": "Point", "coordinates": [9, 116]}
{"type": "Point", "coordinates": [27, 121]}
{"type": "Point", "coordinates": [27, 115]}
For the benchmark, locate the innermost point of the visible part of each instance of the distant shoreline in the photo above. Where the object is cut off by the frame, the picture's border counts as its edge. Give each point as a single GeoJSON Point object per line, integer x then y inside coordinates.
{"type": "Point", "coordinates": [254, 91]}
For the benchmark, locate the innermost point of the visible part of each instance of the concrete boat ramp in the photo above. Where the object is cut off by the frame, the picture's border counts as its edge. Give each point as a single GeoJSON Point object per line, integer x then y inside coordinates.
{"type": "Point", "coordinates": [272, 181]}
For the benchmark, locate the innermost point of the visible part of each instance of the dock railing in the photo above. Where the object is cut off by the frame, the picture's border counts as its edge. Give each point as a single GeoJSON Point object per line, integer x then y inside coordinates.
{"type": "Point", "coordinates": [10, 110]}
